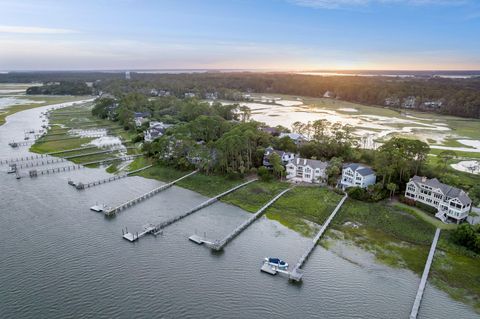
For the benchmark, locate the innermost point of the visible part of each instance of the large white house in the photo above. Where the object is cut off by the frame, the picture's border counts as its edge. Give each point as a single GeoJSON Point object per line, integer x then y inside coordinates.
{"type": "Point", "coordinates": [450, 202]}
{"type": "Point", "coordinates": [306, 170]}
{"type": "Point", "coordinates": [357, 175]}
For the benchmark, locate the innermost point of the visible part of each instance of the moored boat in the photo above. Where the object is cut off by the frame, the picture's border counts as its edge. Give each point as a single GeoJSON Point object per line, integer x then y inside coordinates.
{"type": "Point", "coordinates": [99, 208]}
{"type": "Point", "coordinates": [276, 262]}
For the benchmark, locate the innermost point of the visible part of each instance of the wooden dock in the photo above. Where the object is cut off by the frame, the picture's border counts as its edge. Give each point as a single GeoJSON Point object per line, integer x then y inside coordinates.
{"type": "Point", "coordinates": [423, 281]}
{"type": "Point", "coordinates": [72, 167]}
{"type": "Point", "coordinates": [297, 273]}
{"type": "Point", "coordinates": [195, 238]}
{"type": "Point", "coordinates": [81, 185]}
{"type": "Point", "coordinates": [220, 244]}
{"type": "Point", "coordinates": [145, 196]}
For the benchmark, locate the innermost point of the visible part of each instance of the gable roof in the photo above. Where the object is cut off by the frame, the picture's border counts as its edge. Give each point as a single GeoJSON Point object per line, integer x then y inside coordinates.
{"type": "Point", "coordinates": [360, 169]}
{"type": "Point", "coordinates": [447, 190]}
{"type": "Point", "coordinates": [309, 162]}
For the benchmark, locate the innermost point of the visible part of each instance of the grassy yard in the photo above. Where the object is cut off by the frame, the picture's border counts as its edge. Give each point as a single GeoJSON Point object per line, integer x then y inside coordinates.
{"type": "Point", "coordinates": [302, 205]}
{"type": "Point", "coordinates": [395, 236]}
{"type": "Point", "coordinates": [457, 272]}
{"type": "Point", "coordinates": [400, 236]}
{"type": "Point", "coordinates": [253, 196]}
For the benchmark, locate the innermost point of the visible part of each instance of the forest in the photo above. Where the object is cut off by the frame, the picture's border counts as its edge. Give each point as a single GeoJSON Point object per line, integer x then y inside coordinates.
{"type": "Point", "coordinates": [451, 96]}
{"type": "Point", "coordinates": [61, 88]}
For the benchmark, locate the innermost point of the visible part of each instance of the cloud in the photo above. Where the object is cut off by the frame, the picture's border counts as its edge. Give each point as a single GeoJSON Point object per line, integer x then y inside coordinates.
{"type": "Point", "coordinates": [33, 30]}
{"type": "Point", "coordinates": [337, 4]}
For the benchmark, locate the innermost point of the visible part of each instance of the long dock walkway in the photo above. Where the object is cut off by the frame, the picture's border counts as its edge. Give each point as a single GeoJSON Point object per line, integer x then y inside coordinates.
{"type": "Point", "coordinates": [47, 155]}
{"type": "Point", "coordinates": [136, 200]}
{"type": "Point", "coordinates": [72, 167]}
{"type": "Point", "coordinates": [157, 228]}
{"type": "Point", "coordinates": [219, 244]}
{"type": "Point", "coordinates": [81, 185]}
{"type": "Point", "coordinates": [423, 281]}
{"type": "Point", "coordinates": [297, 273]}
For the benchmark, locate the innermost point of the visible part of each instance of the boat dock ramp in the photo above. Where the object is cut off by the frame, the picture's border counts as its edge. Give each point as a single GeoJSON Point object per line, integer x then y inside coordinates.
{"type": "Point", "coordinates": [175, 219]}
{"type": "Point", "coordinates": [219, 244]}
{"type": "Point", "coordinates": [136, 200]}
{"type": "Point", "coordinates": [297, 273]}
{"type": "Point", "coordinates": [423, 281]}
{"type": "Point", "coordinates": [81, 185]}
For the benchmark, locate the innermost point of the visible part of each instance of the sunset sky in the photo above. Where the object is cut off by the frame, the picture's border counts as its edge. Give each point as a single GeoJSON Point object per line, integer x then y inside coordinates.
{"type": "Point", "coordinates": [240, 34]}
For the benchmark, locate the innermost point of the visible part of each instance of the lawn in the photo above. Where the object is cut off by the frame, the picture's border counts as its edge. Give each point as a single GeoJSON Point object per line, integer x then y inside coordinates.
{"type": "Point", "coordinates": [302, 205]}
{"type": "Point", "coordinates": [253, 196]}
{"type": "Point", "coordinates": [400, 236]}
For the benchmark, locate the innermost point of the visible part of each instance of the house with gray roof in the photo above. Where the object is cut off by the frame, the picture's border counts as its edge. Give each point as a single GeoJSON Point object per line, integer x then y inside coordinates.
{"type": "Point", "coordinates": [451, 203]}
{"type": "Point", "coordinates": [357, 175]}
{"type": "Point", "coordinates": [285, 157]}
{"type": "Point", "coordinates": [306, 170]}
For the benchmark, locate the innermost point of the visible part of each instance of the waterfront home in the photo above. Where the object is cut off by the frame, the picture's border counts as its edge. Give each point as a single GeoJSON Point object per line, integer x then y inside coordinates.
{"type": "Point", "coordinates": [306, 170]}
{"type": "Point", "coordinates": [357, 175]}
{"type": "Point", "coordinates": [451, 203]}
{"type": "Point", "coordinates": [409, 102]}
{"type": "Point", "coordinates": [211, 95]}
{"type": "Point", "coordinates": [140, 118]}
{"type": "Point", "coordinates": [156, 130]}
{"type": "Point", "coordinates": [329, 95]}
{"type": "Point", "coordinates": [392, 101]}
{"type": "Point", "coordinates": [297, 138]}
{"type": "Point", "coordinates": [270, 130]}
{"type": "Point", "coordinates": [432, 104]}
{"type": "Point", "coordinates": [284, 156]}
{"type": "Point", "coordinates": [189, 95]}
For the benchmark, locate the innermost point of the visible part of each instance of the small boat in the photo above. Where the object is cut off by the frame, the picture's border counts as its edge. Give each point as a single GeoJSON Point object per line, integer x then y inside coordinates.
{"type": "Point", "coordinates": [12, 169]}
{"type": "Point", "coordinates": [276, 262]}
{"type": "Point", "coordinates": [99, 208]}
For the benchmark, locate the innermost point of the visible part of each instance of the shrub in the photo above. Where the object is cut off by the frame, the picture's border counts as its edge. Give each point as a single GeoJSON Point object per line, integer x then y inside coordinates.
{"type": "Point", "coordinates": [428, 209]}
{"type": "Point", "coordinates": [468, 236]}
{"type": "Point", "coordinates": [265, 174]}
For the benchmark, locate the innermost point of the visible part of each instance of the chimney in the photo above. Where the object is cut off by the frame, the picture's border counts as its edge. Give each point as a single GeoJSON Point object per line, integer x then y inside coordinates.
{"type": "Point", "coordinates": [424, 179]}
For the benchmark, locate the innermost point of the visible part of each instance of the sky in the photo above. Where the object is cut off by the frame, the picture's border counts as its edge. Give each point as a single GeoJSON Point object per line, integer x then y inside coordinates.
{"type": "Point", "coordinates": [240, 34]}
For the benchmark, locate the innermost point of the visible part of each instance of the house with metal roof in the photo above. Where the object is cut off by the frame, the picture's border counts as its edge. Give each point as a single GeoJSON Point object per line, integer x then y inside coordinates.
{"type": "Point", "coordinates": [357, 175]}
{"type": "Point", "coordinates": [306, 170]}
{"type": "Point", "coordinates": [451, 203]}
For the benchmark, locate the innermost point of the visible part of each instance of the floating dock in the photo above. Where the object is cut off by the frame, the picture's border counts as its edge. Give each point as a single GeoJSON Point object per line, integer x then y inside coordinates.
{"type": "Point", "coordinates": [297, 273]}
{"type": "Point", "coordinates": [195, 238]}
{"type": "Point", "coordinates": [423, 281]}
{"type": "Point", "coordinates": [219, 244]}
{"type": "Point", "coordinates": [141, 198]}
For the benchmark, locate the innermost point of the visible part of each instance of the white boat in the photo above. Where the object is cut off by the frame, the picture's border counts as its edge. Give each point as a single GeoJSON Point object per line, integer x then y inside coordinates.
{"type": "Point", "coordinates": [12, 169]}
{"type": "Point", "coordinates": [276, 262]}
{"type": "Point", "coordinates": [99, 208]}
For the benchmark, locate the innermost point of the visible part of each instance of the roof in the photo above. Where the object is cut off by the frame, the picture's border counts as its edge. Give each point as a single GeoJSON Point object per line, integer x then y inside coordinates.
{"type": "Point", "coordinates": [447, 190]}
{"type": "Point", "coordinates": [359, 168]}
{"type": "Point", "coordinates": [312, 163]}
{"type": "Point", "coordinates": [270, 150]}
{"type": "Point", "coordinates": [293, 136]}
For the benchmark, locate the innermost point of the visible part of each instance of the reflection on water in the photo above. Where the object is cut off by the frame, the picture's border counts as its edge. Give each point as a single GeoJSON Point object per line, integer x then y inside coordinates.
{"type": "Point", "coordinates": [60, 260]}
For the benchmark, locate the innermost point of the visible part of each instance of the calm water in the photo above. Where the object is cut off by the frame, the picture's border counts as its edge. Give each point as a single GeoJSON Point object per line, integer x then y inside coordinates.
{"type": "Point", "coordinates": [60, 260]}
